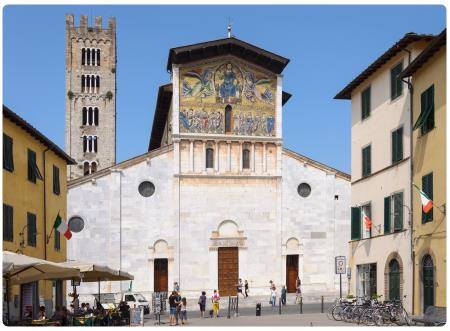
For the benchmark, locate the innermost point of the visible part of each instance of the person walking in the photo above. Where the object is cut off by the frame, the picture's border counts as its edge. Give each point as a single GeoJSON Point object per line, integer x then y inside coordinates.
{"type": "Point", "coordinates": [298, 291]}
{"type": "Point", "coordinates": [202, 304]}
{"type": "Point", "coordinates": [246, 288]}
{"type": "Point", "coordinates": [239, 287]}
{"type": "Point", "coordinates": [176, 287]}
{"type": "Point", "coordinates": [183, 311]}
{"type": "Point", "coordinates": [173, 307]}
{"type": "Point", "coordinates": [215, 303]}
{"type": "Point", "coordinates": [177, 316]}
{"type": "Point", "coordinates": [273, 295]}
{"type": "Point", "coordinates": [283, 295]}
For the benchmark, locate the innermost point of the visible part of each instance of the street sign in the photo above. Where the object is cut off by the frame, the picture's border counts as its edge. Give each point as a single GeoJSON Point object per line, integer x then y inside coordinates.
{"type": "Point", "coordinates": [340, 265]}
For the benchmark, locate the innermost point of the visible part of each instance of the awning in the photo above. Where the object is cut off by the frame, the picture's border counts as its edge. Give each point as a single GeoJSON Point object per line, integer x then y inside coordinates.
{"type": "Point", "coordinates": [20, 269]}
{"type": "Point", "coordinates": [91, 272]}
{"type": "Point", "coordinates": [423, 117]}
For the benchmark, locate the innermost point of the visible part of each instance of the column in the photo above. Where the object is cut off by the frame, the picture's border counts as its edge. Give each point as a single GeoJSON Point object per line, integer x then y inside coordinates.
{"type": "Point", "coordinates": [229, 155]}
{"type": "Point", "coordinates": [216, 161]}
{"type": "Point", "coordinates": [264, 158]}
{"type": "Point", "coordinates": [240, 156]}
{"type": "Point", "coordinates": [191, 155]}
{"type": "Point", "coordinates": [204, 155]}
{"type": "Point", "coordinates": [252, 157]}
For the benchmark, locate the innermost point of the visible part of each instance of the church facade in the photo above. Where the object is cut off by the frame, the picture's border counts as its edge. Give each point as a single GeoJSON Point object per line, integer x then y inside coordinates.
{"type": "Point", "coordinates": [216, 197]}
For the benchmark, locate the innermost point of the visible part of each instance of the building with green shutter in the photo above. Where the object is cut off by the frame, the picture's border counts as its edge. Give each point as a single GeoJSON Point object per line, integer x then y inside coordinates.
{"type": "Point", "coordinates": [380, 247]}
{"type": "Point", "coordinates": [427, 73]}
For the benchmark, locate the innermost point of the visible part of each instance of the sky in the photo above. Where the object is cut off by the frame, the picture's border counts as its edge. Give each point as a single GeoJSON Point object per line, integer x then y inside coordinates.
{"type": "Point", "coordinates": [328, 46]}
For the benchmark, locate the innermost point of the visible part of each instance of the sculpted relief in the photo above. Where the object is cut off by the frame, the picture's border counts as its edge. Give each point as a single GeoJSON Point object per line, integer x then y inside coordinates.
{"type": "Point", "coordinates": [206, 90]}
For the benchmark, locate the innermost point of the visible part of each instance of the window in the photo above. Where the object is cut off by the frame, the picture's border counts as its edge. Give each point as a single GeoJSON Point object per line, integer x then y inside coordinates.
{"type": "Point", "coordinates": [366, 226]}
{"type": "Point", "coordinates": [427, 188]}
{"type": "Point", "coordinates": [209, 158]}
{"type": "Point", "coordinates": [57, 243]}
{"type": "Point", "coordinates": [396, 82]}
{"type": "Point", "coordinates": [97, 80]}
{"type": "Point", "coordinates": [228, 117]}
{"type": "Point", "coordinates": [98, 57]}
{"type": "Point", "coordinates": [8, 225]}
{"type": "Point", "coordinates": [397, 145]}
{"type": "Point", "coordinates": [427, 109]}
{"type": "Point", "coordinates": [31, 227]}
{"type": "Point", "coordinates": [93, 167]}
{"type": "Point", "coordinates": [90, 116]}
{"type": "Point", "coordinates": [146, 189]}
{"type": "Point", "coordinates": [96, 116]}
{"type": "Point", "coordinates": [394, 280]}
{"type": "Point", "coordinates": [83, 84]}
{"type": "Point", "coordinates": [393, 213]}
{"type": "Point", "coordinates": [56, 187]}
{"type": "Point", "coordinates": [93, 52]}
{"type": "Point", "coordinates": [366, 284]}
{"type": "Point", "coordinates": [366, 162]}
{"type": "Point", "coordinates": [90, 144]}
{"type": "Point", "coordinates": [86, 167]}
{"type": "Point", "coordinates": [85, 115]}
{"type": "Point", "coordinates": [246, 159]}
{"type": "Point", "coordinates": [8, 160]}
{"type": "Point", "coordinates": [304, 190]}
{"type": "Point", "coordinates": [129, 298]}
{"type": "Point", "coordinates": [88, 56]}
{"type": "Point", "coordinates": [365, 103]}
{"type": "Point", "coordinates": [33, 170]}
{"type": "Point", "coordinates": [83, 54]}
{"type": "Point", "coordinates": [356, 223]}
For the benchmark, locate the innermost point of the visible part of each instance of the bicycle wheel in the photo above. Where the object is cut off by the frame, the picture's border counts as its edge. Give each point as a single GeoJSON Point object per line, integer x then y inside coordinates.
{"type": "Point", "coordinates": [401, 316]}
{"type": "Point", "coordinates": [336, 313]}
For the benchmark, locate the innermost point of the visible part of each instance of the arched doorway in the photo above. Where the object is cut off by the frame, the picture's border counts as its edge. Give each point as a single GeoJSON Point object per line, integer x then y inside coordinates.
{"type": "Point", "coordinates": [428, 281]}
{"type": "Point", "coordinates": [394, 280]}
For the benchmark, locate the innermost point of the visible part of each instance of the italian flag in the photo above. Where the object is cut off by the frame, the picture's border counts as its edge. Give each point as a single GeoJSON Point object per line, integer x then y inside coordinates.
{"type": "Point", "coordinates": [62, 227]}
{"type": "Point", "coordinates": [427, 203]}
{"type": "Point", "coordinates": [366, 219]}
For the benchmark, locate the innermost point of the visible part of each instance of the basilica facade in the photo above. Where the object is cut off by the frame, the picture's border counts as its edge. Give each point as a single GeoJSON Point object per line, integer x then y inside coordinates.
{"type": "Point", "coordinates": [216, 197]}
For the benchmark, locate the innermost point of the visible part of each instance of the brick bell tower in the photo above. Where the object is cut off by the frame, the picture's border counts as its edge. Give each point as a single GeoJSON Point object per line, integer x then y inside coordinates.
{"type": "Point", "coordinates": [90, 95]}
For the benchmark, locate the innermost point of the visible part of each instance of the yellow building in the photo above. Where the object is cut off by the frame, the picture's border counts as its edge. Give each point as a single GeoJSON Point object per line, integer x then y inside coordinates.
{"type": "Point", "coordinates": [34, 192]}
{"type": "Point", "coordinates": [428, 77]}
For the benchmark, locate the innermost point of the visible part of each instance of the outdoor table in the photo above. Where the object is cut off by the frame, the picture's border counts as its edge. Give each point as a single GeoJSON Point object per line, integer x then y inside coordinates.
{"type": "Point", "coordinates": [45, 322]}
{"type": "Point", "coordinates": [84, 321]}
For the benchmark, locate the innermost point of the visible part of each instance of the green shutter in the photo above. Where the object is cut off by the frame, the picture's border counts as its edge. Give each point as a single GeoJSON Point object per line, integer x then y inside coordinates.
{"type": "Point", "coordinates": [8, 161]}
{"type": "Point", "coordinates": [31, 225]}
{"type": "Point", "coordinates": [365, 103]}
{"type": "Point", "coordinates": [394, 146]}
{"type": "Point", "coordinates": [397, 145]}
{"type": "Point", "coordinates": [387, 215]}
{"type": "Point", "coordinates": [426, 118]}
{"type": "Point", "coordinates": [396, 82]}
{"type": "Point", "coordinates": [31, 162]}
{"type": "Point", "coordinates": [427, 188]}
{"type": "Point", "coordinates": [356, 223]}
{"type": "Point", "coordinates": [56, 186]}
{"type": "Point", "coordinates": [398, 211]}
{"type": "Point", "coordinates": [366, 161]}
{"type": "Point", "coordinates": [8, 227]}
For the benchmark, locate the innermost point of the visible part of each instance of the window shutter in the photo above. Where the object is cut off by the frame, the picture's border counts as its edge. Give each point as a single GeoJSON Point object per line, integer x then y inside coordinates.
{"type": "Point", "coordinates": [394, 146]}
{"type": "Point", "coordinates": [8, 161]}
{"type": "Point", "coordinates": [387, 214]}
{"type": "Point", "coordinates": [356, 223]}
{"type": "Point", "coordinates": [31, 162]}
{"type": "Point", "coordinates": [56, 186]}
{"type": "Point", "coordinates": [57, 243]}
{"type": "Point", "coordinates": [398, 211]}
{"type": "Point", "coordinates": [400, 144]}
{"type": "Point", "coordinates": [8, 228]}
{"type": "Point", "coordinates": [31, 222]}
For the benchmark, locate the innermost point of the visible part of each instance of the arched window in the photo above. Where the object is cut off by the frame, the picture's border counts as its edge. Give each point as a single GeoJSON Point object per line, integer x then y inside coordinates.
{"type": "Point", "coordinates": [246, 158]}
{"type": "Point", "coordinates": [95, 143]}
{"type": "Point", "coordinates": [93, 56]}
{"type": "Point", "coordinates": [86, 168]}
{"type": "Point", "coordinates": [228, 117]}
{"type": "Point", "coordinates": [90, 120]}
{"type": "Point", "coordinates": [88, 52]}
{"type": "Point", "coordinates": [96, 116]}
{"type": "Point", "coordinates": [89, 144]}
{"type": "Point", "coordinates": [93, 84]}
{"type": "Point", "coordinates": [83, 83]}
{"type": "Point", "coordinates": [394, 280]}
{"type": "Point", "coordinates": [98, 57]}
{"type": "Point", "coordinates": [88, 84]}
{"type": "Point", "coordinates": [98, 83]}
{"type": "Point", "coordinates": [93, 167]}
{"type": "Point", "coordinates": [428, 281]}
{"type": "Point", "coordinates": [209, 158]}
{"type": "Point", "coordinates": [83, 55]}
{"type": "Point", "coordinates": [84, 115]}
{"type": "Point", "coordinates": [84, 144]}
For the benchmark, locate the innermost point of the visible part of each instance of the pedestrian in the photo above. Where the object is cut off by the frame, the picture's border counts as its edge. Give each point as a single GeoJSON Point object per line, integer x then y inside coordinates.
{"type": "Point", "coordinates": [88, 309]}
{"type": "Point", "coordinates": [246, 288]}
{"type": "Point", "coordinates": [176, 287]}
{"type": "Point", "coordinates": [41, 315]}
{"type": "Point", "coordinates": [273, 295]}
{"type": "Point", "coordinates": [239, 287]}
{"type": "Point", "coordinates": [215, 303]}
{"type": "Point", "coordinates": [183, 311]}
{"type": "Point", "coordinates": [202, 304]}
{"type": "Point", "coordinates": [173, 308]}
{"type": "Point", "coordinates": [283, 295]}
{"type": "Point", "coordinates": [298, 291]}
{"type": "Point", "coordinates": [177, 316]}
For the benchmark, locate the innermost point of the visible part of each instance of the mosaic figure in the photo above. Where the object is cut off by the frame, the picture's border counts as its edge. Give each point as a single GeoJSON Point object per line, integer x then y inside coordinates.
{"type": "Point", "coordinates": [201, 121]}
{"type": "Point", "coordinates": [250, 125]}
{"type": "Point", "coordinates": [228, 81]}
{"type": "Point", "coordinates": [203, 87]}
{"type": "Point", "coordinates": [251, 91]}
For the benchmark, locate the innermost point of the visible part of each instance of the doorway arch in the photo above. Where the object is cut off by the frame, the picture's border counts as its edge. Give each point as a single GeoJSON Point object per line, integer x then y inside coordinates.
{"type": "Point", "coordinates": [394, 280]}
{"type": "Point", "coordinates": [428, 281]}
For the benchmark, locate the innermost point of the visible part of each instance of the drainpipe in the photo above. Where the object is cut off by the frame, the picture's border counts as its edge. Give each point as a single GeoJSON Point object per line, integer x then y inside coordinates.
{"type": "Point", "coordinates": [45, 206]}
{"type": "Point", "coordinates": [411, 91]}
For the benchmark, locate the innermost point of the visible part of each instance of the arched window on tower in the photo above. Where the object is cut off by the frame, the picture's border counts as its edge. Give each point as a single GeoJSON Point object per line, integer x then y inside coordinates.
{"type": "Point", "coordinates": [228, 117]}
{"type": "Point", "coordinates": [209, 158]}
{"type": "Point", "coordinates": [86, 168]}
{"type": "Point", "coordinates": [245, 158]}
{"type": "Point", "coordinates": [98, 57]}
{"type": "Point", "coordinates": [83, 83]}
{"type": "Point", "coordinates": [88, 84]}
{"type": "Point", "coordinates": [93, 167]}
{"type": "Point", "coordinates": [84, 115]}
{"type": "Point", "coordinates": [88, 56]}
{"type": "Point", "coordinates": [89, 149]}
{"type": "Point", "coordinates": [90, 121]}
{"type": "Point", "coordinates": [93, 56]}
{"type": "Point", "coordinates": [94, 138]}
{"type": "Point", "coordinates": [93, 90]}
{"type": "Point", "coordinates": [84, 144]}
{"type": "Point", "coordinates": [96, 116]}
{"type": "Point", "coordinates": [97, 81]}
{"type": "Point", "coordinates": [83, 55]}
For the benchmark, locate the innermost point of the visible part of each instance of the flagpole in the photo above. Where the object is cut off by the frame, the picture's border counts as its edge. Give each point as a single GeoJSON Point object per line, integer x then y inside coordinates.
{"type": "Point", "coordinates": [51, 232]}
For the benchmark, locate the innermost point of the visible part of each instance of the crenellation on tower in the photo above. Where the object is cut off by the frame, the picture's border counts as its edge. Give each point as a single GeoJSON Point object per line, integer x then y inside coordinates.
{"type": "Point", "coordinates": [90, 95]}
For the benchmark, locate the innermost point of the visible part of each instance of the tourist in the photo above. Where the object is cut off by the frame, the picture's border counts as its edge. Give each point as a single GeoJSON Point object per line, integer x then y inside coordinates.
{"type": "Point", "coordinates": [88, 309]}
{"type": "Point", "coordinates": [246, 288]}
{"type": "Point", "coordinates": [83, 308]}
{"type": "Point", "coordinates": [283, 295]}
{"type": "Point", "coordinates": [173, 308]}
{"type": "Point", "coordinates": [273, 295]}
{"type": "Point", "coordinates": [298, 291]}
{"type": "Point", "coordinates": [183, 311]}
{"type": "Point", "coordinates": [215, 303]}
{"type": "Point", "coordinates": [58, 316]}
{"type": "Point", "coordinates": [202, 304]}
{"type": "Point", "coordinates": [66, 315]}
{"type": "Point", "coordinates": [41, 315]}
{"type": "Point", "coordinates": [176, 287]}
{"type": "Point", "coordinates": [239, 287]}
{"type": "Point", "coordinates": [178, 301]}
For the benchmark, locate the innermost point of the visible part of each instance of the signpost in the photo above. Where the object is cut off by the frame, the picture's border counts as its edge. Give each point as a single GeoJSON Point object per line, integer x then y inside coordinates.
{"type": "Point", "coordinates": [340, 268]}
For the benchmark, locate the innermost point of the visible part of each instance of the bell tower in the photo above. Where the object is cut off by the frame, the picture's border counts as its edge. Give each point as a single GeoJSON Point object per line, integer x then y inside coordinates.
{"type": "Point", "coordinates": [90, 95]}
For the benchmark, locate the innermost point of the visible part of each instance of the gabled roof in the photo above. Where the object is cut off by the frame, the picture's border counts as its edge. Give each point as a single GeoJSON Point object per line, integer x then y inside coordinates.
{"type": "Point", "coordinates": [160, 117]}
{"type": "Point", "coordinates": [185, 54]}
{"type": "Point", "coordinates": [407, 39]}
{"type": "Point", "coordinates": [19, 121]}
{"type": "Point", "coordinates": [434, 46]}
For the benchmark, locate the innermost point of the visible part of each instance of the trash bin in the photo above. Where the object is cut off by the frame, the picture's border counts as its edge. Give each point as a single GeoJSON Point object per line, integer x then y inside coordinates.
{"type": "Point", "coordinates": [258, 309]}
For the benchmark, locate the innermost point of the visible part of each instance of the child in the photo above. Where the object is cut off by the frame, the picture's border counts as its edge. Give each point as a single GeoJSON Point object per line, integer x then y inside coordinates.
{"type": "Point", "coordinates": [183, 311]}
{"type": "Point", "coordinates": [215, 303]}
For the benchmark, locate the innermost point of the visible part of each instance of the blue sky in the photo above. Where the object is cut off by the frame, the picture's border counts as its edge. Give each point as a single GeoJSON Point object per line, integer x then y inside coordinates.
{"type": "Point", "coordinates": [328, 46]}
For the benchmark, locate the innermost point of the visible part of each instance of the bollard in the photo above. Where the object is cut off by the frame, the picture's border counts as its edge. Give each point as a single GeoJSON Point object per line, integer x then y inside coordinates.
{"type": "Point", "coordinates": [321, 304]}
{"type": "Point", "coordinates": [237, 305]}
{"type": "Point", "coordinates": [279, 306]}
{"type": "Point", "coordinates": [301, 305]}
{"type": "Point", "coordinates": [229, 307]}
{"type": "Point", "coordinates": [258, 309]}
